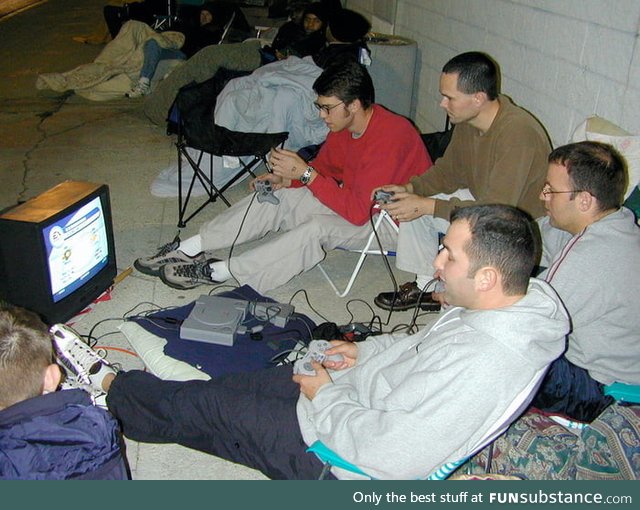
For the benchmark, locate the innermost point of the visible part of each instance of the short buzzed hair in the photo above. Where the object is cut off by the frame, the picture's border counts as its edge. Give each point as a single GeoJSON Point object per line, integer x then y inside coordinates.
{"type": "Point", "coordinates": [503, 237]}
{"type": "Point", "coordinates": [26, 350]}
{"type": "Point", "coordinates": [477, 72]}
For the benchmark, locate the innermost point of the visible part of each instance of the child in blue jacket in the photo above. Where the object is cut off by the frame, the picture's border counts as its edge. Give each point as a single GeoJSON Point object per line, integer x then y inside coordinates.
{"type": "Point", "coordinates": [44, 433]}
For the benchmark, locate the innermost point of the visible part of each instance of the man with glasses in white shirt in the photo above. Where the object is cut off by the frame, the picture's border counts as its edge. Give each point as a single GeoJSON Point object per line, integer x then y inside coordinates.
{"type": "Point", "coordinates": [320, 206]}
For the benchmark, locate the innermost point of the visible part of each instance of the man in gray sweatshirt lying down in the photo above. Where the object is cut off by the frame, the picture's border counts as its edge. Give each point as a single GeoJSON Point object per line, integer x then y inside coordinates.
{"type": "Point", "coordinates": [396, 406]}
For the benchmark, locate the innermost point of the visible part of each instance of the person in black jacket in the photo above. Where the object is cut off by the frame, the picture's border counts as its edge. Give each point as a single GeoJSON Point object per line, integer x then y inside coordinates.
{"type": "Point", "coordinates": [301, 36]}
{"type": "Point", "coordinates": [215, 21]}
{"type": "Point", "coordinates": [212, 23]}
{"type": "Point", "coordinates": [43, 432]}
{"type": "Point", "coordinates": [346, 39]}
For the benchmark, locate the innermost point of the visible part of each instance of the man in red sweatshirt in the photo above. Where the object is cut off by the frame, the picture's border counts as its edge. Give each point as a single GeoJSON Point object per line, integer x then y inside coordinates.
{"type": "Point", "coordinates": [320, 206]}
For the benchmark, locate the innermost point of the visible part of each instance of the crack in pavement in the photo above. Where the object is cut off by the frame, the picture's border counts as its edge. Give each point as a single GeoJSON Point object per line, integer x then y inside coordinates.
{"type": "Point", "coordinates": [58, 105]}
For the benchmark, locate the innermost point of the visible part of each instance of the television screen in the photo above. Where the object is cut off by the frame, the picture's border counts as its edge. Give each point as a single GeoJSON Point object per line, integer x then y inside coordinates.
{"type": "Point", "coordinates": [57, 251]}
{"type": "Point", "coordinates": [76, 248]}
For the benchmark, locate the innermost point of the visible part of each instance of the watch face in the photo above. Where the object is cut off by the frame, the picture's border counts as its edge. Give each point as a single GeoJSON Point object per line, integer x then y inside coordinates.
{"type": "Point", "coordinates": [306, 176]}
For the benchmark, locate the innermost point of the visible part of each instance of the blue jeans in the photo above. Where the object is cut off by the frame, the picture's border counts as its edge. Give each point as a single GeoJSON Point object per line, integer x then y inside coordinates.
{"type": "Point", "coordinates": [568, 389]}
{"type": "Point", "coordinates": [153, 54]}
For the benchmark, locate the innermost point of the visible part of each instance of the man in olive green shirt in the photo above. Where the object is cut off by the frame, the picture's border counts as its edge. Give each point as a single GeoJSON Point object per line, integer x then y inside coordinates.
{"type": "Point", "coordinates": [497, 154]}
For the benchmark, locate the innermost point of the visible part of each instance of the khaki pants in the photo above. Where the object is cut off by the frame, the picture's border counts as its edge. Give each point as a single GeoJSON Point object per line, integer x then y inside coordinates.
{"type": "Point", "coordinates": [305, 228]}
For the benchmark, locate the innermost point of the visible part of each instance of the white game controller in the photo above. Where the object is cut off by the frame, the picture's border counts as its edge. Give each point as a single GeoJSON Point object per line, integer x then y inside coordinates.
{"type": "Point", "coordinates": [383, 197]}
{"type": "Point", "coordinates": [265, 192]}
{"type": "Point", "coordinates": [315, 353]}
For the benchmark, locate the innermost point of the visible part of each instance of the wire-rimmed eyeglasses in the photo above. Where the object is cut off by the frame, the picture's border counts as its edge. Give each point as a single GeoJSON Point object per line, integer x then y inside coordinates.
{"type": "Point", "coordinates": [326, 108]}
{"type": "Point", "coordinates": [548, 191]}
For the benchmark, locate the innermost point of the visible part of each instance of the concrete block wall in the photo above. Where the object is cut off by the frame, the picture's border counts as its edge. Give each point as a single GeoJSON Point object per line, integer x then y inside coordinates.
{"type": "Point", "coordinates": [563, 60]}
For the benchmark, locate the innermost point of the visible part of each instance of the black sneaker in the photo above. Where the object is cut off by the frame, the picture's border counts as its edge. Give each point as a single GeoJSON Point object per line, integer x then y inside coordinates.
{"type": "Point", "coordinates": [188, 275]}
{"type": "Point", "coordinates": [167, 254]}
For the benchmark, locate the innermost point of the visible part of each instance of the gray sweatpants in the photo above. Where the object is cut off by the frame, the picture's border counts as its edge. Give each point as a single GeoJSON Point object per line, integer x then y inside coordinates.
{"type": "Point", "coordinates": [306, 229]}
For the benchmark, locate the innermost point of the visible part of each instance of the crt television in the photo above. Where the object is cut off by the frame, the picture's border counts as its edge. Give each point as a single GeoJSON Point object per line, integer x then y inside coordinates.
{"type": "Point", "coordinates": [57, 252]}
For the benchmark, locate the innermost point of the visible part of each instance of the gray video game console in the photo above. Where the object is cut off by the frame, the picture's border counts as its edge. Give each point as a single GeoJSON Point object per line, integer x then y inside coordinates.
{"type": "Point", "coordinates": [217, 320]}
{"type": "Point", "coordinates": [214, 320]}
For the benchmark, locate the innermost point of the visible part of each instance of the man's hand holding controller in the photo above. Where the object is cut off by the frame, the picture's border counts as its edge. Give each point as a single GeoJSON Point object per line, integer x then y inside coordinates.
{"type": "Point", "coordinates": [311, 375]}
{"type": "Point", "coordinates": [264, 191]}
{"type": "Point", "coordinates": [318, 352]}
{"type": "Point", "coordinates": [276, 182]}
{"type": "Point", "coordinates": [403, 204]}
{"type": "Point", "coordinates": [383, 197]}
{"type": "Point", "coordinates": [386, 194]}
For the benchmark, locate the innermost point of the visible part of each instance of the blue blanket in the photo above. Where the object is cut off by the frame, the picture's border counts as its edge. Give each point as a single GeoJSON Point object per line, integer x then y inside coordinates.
{"type": "Point", "coordinates": [246, 354]}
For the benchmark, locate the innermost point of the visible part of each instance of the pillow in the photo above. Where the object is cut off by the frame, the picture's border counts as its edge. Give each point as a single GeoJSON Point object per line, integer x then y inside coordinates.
{"type": "Point", "coordinates": [598, 129]}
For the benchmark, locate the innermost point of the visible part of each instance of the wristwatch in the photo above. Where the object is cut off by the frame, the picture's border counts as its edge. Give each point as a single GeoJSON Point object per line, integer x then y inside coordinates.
{"type": "Point", "coordinates": [306, 176]}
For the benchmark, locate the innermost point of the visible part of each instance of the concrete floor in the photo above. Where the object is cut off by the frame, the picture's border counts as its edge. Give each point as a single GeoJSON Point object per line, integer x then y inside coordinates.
{"type": "Point", "coordinates": [12, 7]}
{"type": "Point", "coordinates": [47, 138]}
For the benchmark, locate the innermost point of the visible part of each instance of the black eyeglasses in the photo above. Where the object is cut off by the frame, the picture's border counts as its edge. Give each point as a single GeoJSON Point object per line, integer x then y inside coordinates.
{"type": "Point", "coordinates": [326, 108]}
{"type": "Point", "coordinates": [548, 191]}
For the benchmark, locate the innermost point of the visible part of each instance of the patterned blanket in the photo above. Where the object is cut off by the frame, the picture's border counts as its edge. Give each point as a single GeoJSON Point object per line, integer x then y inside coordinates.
{"type": "Point", "coordinates": [537, 448]}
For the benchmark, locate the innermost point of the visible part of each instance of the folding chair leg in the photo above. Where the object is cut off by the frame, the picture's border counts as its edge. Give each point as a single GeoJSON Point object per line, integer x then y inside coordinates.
{"type": "Point", "coordinates": [325, 471]}
{"type": "Point", "coordinates": [352, 279]}
{"type": "Point", "coordinates": [212, 190]}
{"type": "Point", "coordinates": [363, 255]}
{"type": "Point", "coordinates": [207, 182]}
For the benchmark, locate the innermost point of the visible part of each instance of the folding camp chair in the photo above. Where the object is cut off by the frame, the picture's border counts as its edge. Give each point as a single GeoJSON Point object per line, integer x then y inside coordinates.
{"type": "Point", "coordinates": [366, 250]}
{"type": "Point", "coordinates": [191, 117]}
{"type": "Point", "coordinates": [173, 15]}
{"type": "Point", "coordinates": [167, 19]}
{"type": "Point", "coordinates": [227, 27]}
{"type": "Point", "coordinates": [510, 414]}
{"type": "Point", "coordinates": [223, 142]}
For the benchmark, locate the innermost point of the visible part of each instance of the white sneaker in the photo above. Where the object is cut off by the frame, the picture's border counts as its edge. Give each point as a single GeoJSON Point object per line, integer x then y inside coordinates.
{"type": "Point", "coordinates": [78, 359]}
{"type": "Point", "coordinates": [71, 383]}
{"type": "Point", "coordinates": [99, 398]}
{"type": "Point", "coordinates": [142, 88]}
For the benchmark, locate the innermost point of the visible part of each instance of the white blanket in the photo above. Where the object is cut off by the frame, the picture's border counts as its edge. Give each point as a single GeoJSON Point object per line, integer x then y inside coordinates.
{"type": "Point", "coordinates": [274, 98]}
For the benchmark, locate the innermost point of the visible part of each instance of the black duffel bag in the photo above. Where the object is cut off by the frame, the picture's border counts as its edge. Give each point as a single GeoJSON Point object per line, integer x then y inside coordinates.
{"type": "Point", "coordinates": [438, 141]}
